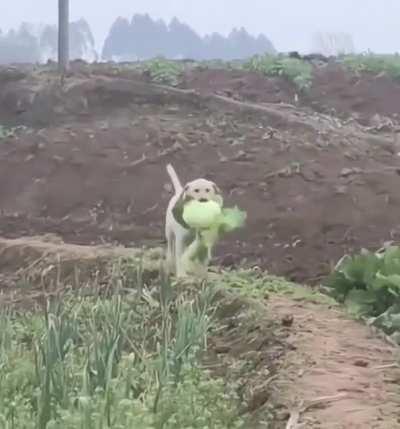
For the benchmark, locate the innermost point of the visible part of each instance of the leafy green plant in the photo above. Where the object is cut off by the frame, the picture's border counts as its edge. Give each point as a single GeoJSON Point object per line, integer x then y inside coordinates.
{"type": "Point", "coordinates": [164, 71]}
{"type": "Point", "coordinates": [297, 71]}
{"type": "Point", "coordinates": [374, 63]}
{"type": "Point", "coordinates": [369, 285]}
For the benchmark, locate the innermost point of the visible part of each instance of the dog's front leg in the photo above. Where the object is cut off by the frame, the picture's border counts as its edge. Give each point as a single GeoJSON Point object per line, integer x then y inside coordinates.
{"type": "Point", "coordinates": [195, 258]}
{"type": "Point", "coordinates": [203, 263]}
{"type": "Point", "coordinates": [179, 251]}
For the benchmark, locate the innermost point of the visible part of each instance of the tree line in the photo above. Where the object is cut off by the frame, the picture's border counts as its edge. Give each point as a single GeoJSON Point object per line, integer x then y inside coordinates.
{"type": "Point", "coordinates": [38, 44]}
{"type": "Point", "coordinates": [138, 39]}
{"type": "Point", "coordinates": [144, 38]}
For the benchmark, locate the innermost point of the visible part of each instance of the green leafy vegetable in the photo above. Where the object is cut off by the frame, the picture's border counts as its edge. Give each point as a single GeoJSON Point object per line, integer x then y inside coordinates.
{"type": "Point", "coordinates": [369, 285]}
{"type": "Point", "coordinates": [231, 219]}
{"type": "Point", "coordinates": [227, 221]}
{"type": "Point", "coordinates": [200, 215]}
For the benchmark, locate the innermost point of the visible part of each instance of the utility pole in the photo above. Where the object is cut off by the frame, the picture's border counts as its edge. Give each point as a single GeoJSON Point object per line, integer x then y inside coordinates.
{"type": "Point", "coordinates": [63, 36]}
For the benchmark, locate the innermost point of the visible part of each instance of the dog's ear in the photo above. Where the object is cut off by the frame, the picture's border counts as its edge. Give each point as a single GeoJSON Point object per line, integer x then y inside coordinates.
{"type": "Point", "coordinates": [218, 195]}
{"type": "Point", "coordinates": [177, 210]}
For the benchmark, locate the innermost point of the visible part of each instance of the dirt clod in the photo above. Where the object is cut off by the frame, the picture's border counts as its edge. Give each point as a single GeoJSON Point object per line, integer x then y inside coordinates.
{"type": "Point", "coordinates": [287, 320]}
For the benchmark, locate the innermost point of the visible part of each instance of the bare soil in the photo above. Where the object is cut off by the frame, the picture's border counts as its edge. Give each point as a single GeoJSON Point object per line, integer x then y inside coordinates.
{"type": "Point", "coordinates": [339, 375]}
{"type": "Point", "coordinates": [334, 91]}
{"type": "Point", "coordinates": [91, 165]}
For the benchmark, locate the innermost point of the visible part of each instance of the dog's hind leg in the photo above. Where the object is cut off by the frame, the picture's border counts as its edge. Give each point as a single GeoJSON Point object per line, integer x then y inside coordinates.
{"type": "Point", "coordinates": [170, 250]}
{"type": "Point", "coordinates": [170, 254]}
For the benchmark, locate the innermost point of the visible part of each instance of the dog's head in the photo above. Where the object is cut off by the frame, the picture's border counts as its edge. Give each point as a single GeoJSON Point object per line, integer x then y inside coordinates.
{"type": "Point", "coordinates": [200, 190]}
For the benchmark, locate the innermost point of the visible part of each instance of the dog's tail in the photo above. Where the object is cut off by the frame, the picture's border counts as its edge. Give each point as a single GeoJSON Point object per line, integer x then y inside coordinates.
{"type": "Point", "coordinates": [174, 178]}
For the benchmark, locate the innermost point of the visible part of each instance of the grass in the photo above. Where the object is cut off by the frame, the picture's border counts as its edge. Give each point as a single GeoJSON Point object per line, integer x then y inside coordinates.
{"type": "Point", "coordinates": [118, 361]}
{"type": "Point", "coordinates": [258, 285]}
{"type": "Point", "coordinates": [374, 64]}
{"type": "Point", "coordinates": [7, 132]}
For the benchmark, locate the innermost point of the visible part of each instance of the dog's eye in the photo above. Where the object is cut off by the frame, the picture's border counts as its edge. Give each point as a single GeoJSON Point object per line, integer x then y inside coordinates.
{"type": "Point", "coordinates": [207, 190]}
{"type": "Point", "coordinates": [197, 191]}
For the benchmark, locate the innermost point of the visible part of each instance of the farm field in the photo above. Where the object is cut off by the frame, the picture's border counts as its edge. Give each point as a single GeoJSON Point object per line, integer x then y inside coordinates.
{"type": "Point", "coordinates": [93, 334]}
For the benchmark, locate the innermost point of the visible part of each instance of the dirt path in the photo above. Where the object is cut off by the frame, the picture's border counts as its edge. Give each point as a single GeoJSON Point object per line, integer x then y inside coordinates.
{"type": "Point", "coordinates": [340, 362]}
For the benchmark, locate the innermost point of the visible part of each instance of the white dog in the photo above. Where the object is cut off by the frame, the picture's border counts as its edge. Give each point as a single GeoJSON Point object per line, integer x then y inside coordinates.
{"type": "Point", "coordinates": [182, 241]}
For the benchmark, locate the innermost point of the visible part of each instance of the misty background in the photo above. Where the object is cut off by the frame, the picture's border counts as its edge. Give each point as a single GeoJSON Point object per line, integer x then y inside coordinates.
{"type": "Point", "coordinates": [126, 30]}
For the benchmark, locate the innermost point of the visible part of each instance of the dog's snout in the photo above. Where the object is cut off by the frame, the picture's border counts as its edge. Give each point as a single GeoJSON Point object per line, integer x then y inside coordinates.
{"type": "Point", "coordinates": [203, 200]}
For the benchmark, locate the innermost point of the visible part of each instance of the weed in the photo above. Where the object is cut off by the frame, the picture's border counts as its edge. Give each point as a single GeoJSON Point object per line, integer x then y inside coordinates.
{"type": "Point", "coordinates": [296, 71]}
{"type": "Point", "coordinates": [164, 71]}
{"type": "Point", "coordinates": [257, 285]}
{"type": "Point", "coordinates": [374, 63]}
{"type": "Point", "coordinates": [7, 131]}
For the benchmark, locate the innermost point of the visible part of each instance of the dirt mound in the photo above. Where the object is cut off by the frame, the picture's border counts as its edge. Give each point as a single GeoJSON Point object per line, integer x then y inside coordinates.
{"type": "Point", "coordinates": [313, 186]}
{"type": "Point", "coordinates": [240, 85]}
{"type": "Point", "coordinates": [334, 91]}
{"type": "Point", "coordinates": [345, 94]}
{"type": "Point", "coordinates": [41, 99]}
{"type": "Point", "coordinates": [33, 268]}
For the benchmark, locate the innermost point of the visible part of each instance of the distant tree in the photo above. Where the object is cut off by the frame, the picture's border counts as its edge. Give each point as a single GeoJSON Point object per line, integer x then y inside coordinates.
{"type": "Point", "coordinates": [82, 43]}
{"type": "Point", "coordinates": [161, 43]}
{"type": "Point", "coordinates": [19, 46]}
{"type": "Point", "coordinates": [48, 43]}
{"type": "Point", "coordinates": [145, 38]}
{"type": "Point", "coordinates": [263, 45]}
{"type": "Point", "coordinates": [142, 33]}
{"type": "Point", "coordinates": [332, 44]}
{"type": "Point", "coordinates": [184, 41]}
{"type": "Point", "coordinates": [31, 44]}
{"type": "Point", "coordinates": [215, 47]}
{"type": "Point", "coordinates": [117, 43]}
{"type": "Point", "coordinates": [240, 44]}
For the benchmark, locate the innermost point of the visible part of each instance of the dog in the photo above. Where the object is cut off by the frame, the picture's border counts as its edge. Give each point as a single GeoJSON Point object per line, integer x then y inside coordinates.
{"type": "Point", "coordinates": [182, 241]}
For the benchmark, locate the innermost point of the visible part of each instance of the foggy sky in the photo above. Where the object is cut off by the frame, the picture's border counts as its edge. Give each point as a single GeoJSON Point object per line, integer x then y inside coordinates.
{"type": "Point", "coordinates": [289, 24]}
